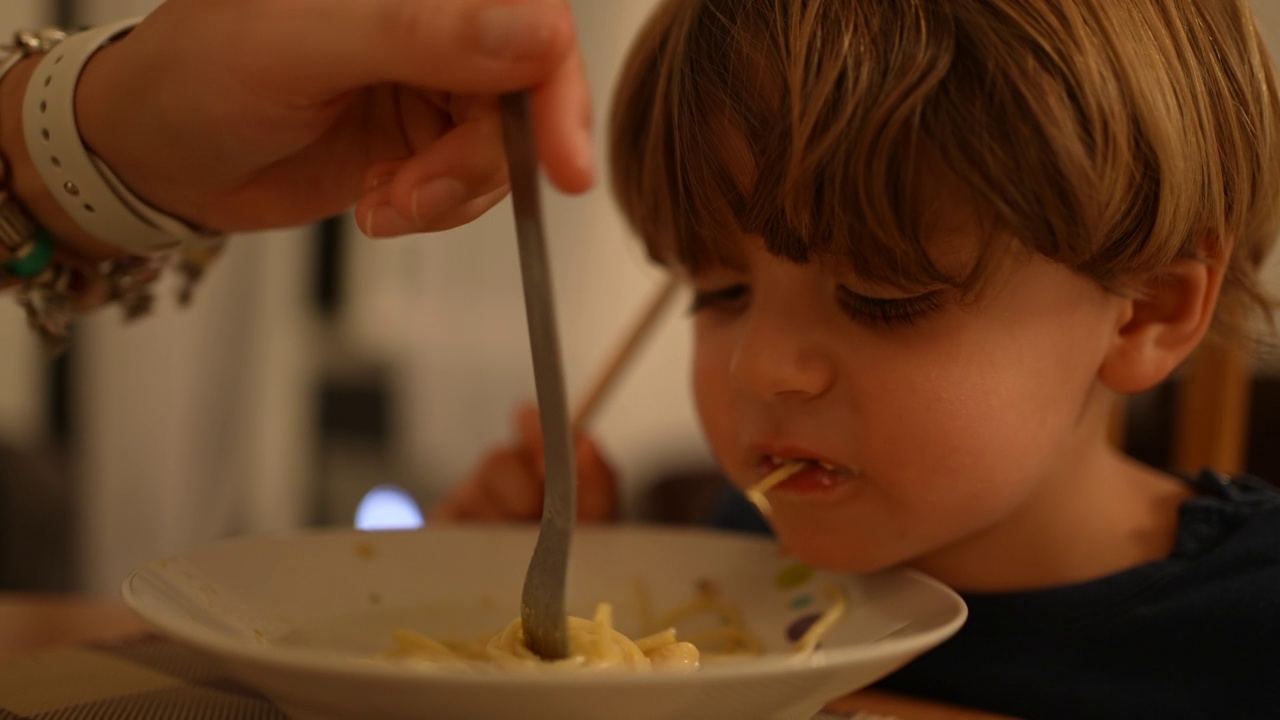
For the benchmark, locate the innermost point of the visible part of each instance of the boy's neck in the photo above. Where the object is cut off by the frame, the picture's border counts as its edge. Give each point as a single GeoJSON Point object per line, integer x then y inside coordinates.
{"type": "Point", "coordinates": [1101, 514]}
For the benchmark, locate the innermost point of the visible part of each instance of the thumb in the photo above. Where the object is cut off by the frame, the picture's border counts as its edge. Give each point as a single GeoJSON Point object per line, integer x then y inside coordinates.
{"type": "Point", "coordinates": [463, 46]}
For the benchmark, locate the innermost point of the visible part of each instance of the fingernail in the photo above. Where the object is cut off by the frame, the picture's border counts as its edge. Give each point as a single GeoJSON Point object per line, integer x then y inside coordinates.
{"type": "Point", "coordinates": [379, 181]}
{"type": "Point", "coordinates": [517, 30]}
{"type": "Point", "coordinates": [384, 221]}
{"type": "Point", "coordinates": [435, 197]}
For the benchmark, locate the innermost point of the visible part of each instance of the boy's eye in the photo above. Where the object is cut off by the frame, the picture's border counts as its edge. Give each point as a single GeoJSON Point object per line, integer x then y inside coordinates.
{"type": "Point", "coordinates": [888, 311]}
{"type": "Point", "coordinates": [721, 298]}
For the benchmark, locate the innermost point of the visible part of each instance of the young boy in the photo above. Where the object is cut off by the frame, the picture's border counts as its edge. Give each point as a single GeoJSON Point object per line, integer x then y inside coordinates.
{"type": "Point", "coordinates": [931, 241]}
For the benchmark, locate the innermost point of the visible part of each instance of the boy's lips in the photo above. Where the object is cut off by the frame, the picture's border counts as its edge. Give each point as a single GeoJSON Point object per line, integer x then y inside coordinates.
{"type": "Point", "coordinates": [819, 477]}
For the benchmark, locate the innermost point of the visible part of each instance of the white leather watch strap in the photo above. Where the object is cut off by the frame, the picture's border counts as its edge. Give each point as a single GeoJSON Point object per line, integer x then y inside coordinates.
{"type": "Point", "coordinates": [85, 187]}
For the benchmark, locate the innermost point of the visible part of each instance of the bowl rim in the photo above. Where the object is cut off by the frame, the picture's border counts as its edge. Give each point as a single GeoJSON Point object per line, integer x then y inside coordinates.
{"type": "Point", "coordinates": [313, 661]}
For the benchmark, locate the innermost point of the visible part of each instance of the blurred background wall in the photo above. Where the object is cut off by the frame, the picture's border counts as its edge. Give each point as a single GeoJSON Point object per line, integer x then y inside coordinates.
{"type": "Point", "coordinates": [316, 364]}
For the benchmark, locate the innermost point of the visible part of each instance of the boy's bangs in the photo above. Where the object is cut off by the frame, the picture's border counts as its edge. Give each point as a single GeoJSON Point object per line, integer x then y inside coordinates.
{"type": "Point", "coordinates": [1102, 135]}
{"type": "Point", "coordinates": [836, 119]}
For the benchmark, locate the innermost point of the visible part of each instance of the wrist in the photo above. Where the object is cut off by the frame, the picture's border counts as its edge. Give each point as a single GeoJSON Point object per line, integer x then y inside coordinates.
{"type": "Point", "coordinates": [24, 179]}
{"type": "Point", "coordinates": [99, 93]}
{"type": "Point", "coordinates": [110, 244]}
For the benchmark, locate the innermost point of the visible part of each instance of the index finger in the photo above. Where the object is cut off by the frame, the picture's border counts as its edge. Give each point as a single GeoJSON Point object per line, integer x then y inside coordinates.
{"type": "Point", "coordinates": [474, 47]}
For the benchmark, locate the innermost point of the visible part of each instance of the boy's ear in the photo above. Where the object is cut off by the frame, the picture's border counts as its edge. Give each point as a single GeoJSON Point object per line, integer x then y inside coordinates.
{"type": "Point", "coordinates": [1164, 320]}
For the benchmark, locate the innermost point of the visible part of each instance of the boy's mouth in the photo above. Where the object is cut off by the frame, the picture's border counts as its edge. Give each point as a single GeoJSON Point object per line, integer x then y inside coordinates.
{"type": "Point", "coordinates": [800, 473]}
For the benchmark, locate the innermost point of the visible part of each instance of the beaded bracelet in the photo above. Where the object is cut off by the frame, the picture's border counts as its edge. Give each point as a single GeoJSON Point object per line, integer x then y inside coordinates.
{"type": "Point", "coordinates": [30, 247]}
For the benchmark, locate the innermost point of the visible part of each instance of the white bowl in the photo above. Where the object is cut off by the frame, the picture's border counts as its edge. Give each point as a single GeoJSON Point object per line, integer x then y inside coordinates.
{"type": "Point", "coordinates": [298, 616]}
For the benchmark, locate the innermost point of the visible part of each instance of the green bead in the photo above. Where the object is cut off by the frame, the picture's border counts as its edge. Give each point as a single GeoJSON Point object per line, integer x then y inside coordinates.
{"type": "Point", "coordinates": [35, 260]}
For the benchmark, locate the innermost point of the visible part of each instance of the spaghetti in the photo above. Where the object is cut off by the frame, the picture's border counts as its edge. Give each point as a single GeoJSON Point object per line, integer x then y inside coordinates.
{"type": "Point", "coordinates": [756, 492]}
{"type": "Point", "coordinates": [593, 643]}
{"type": "Point", "coordinates": [728, 636]}
{"type": "Point", "coordinates": [808, 642]}
{"type": "Point", "coordinates": [596, 644]}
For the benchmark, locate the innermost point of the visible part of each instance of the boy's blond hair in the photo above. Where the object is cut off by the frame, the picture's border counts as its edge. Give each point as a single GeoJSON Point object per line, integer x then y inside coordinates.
{"type": "Point", "coordinates": [1113, 136]}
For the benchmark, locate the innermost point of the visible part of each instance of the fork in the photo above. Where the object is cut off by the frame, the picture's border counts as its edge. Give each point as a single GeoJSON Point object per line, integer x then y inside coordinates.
{"type": "Point", "coordinates": [542, 602]}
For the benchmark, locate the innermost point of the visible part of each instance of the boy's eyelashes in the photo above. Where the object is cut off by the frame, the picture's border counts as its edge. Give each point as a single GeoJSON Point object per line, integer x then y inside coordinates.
{"type": "Point", "coordinates": [888, 311]}
{"type": "Point", "coordinates": [721, 297]}
{"type": "Point", "coordinates": [862, 308]}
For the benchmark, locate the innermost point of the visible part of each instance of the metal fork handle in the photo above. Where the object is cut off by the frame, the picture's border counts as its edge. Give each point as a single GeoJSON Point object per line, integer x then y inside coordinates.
{"type": "Point", "coordinates": [542, 606]}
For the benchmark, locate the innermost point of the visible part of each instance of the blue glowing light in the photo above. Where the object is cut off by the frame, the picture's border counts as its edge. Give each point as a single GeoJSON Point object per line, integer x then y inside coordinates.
{"type": "Point", "coordinates": [387, 507]}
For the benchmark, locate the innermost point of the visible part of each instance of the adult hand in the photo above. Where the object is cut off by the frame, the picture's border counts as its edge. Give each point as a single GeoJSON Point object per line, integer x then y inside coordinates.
{"type": "Point", "coordinates": [252, 114]}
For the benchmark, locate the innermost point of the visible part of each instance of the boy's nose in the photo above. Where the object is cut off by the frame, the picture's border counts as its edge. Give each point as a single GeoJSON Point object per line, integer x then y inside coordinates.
{"type": "Point", "coordinates": [779, 358]}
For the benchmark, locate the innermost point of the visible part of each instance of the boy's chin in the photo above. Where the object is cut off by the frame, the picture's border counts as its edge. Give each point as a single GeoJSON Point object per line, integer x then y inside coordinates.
{"type": "Point", "coordinates": [828, 555]}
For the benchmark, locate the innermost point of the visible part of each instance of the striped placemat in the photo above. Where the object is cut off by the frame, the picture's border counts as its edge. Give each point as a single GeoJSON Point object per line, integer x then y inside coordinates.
{"type": "Point", "coordinates": [146, 678]}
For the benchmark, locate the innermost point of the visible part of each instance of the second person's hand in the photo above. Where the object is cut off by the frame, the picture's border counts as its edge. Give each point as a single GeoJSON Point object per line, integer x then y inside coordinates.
{"type": "Point", "coordinates": [507, 484]}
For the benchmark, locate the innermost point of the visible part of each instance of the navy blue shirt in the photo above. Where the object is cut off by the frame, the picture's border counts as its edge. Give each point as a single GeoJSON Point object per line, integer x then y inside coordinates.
{"type": "Point", "coordinates": [1195, 635]}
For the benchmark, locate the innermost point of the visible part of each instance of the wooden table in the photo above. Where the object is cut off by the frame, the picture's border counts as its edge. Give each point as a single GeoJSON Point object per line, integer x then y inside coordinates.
{"type": "Point", "coordinates": [31, 623]}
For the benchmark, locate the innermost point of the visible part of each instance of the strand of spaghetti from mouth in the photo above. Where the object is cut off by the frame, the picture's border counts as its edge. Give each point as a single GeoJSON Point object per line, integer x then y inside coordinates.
{"type": "Point", "coordinates": [808, 642]}
{"type": "Point", "coordinates": [756, 492]}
